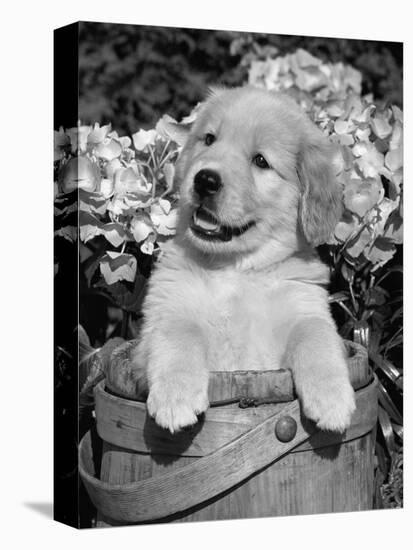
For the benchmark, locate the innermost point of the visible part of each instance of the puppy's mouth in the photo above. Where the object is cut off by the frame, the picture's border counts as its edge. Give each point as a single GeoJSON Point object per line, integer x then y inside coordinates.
{"type": "Point", "coordinates": [206, 226]}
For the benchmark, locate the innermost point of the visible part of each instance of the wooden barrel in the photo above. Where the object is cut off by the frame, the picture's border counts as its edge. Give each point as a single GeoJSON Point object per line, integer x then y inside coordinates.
{"type": "Point", "coordinates": [259, 461]}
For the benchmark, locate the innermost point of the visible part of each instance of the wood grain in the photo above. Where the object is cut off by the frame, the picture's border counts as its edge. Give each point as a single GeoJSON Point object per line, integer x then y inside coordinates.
{"type": "Point", "coordinates": [184, 486]}
{"type": "Point", "coordinates": [226, 385]}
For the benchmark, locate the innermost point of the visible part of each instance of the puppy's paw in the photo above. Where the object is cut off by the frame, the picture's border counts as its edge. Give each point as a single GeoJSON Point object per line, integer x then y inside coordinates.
{"type": "Point", "coordinates": [329, 403]}
{"type": "Point", "coordinates": [175, 406]}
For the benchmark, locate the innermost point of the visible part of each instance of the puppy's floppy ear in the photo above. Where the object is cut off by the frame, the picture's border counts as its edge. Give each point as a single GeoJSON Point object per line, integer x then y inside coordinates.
{"type": "Point", "coordinates": [321, 199]}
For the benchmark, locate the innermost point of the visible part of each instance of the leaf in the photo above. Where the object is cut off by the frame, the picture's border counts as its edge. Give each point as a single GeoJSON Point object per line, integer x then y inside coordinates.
{"type": "Point", "coordinates": [357, 245]}
{"type": "Point", "coordinates": [397, 314]}
{"type": "Point", "coordinates": [94, 203]}
{"type": "Point", "coordinates": [395, 342]}
{"type": "Point", "coordinates": [137, 200]}
{"type": "Point", "coordinates": [373, 297]}
{"type": "Point", "coordinates": [386, 402]}
{"type": "Point", "coordinates": [389, 270]}
{"type": "Point", "coordinates": [339, 297]}
{"type": "Point", "coordinates": [394, 228]}
{"type": "Point", "coordinates": [69, 233]}
{"type": "Point", "coordinates": [380, 252]}
{"type": "Point", "coordinates": [387, 430]}
{"type": "Point", "coordinates": [116, 266]}
{"type": "Point", "coordinates": [114, 233]}
{"type": "Point", "coordinates": [398, 430]}
{"type": "Point", "coordinates": [91, 260]}
{"type": "Point", "coordinates": [128, 296]}
{"type": "Point", "coordinates": [378, 218]}
{"type": "Point", "coordinates": [89, 226]}
{"type": "Point", "coordinates": [386, 367]}
{"type": "Point", "coordinates": [66, 208]}
{"type": "Point", "coordinates": [347, 272]}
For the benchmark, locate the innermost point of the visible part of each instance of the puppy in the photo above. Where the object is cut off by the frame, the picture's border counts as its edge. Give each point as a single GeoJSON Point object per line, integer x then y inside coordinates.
{"type": "Point", "coordinates": [240, 286]}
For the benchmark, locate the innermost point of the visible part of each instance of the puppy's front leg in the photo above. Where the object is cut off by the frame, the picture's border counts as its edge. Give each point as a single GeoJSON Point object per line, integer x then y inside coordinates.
{"type": "Point", "coordinates": [315, 354]}
{"type": "Point", "coordinates": [175, 358]}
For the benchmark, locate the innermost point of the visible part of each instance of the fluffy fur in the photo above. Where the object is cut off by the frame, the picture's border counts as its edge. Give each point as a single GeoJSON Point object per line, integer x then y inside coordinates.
{"type": "Point", "coordinates": [257, 301]}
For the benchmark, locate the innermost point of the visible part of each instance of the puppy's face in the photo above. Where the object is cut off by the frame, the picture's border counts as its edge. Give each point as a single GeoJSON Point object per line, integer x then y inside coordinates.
{"type": "Point", "coordinates": [255, 171]}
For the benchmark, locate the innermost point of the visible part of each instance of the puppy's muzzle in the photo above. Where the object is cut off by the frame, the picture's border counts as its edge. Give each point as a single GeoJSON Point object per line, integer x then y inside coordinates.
{"type": "Point", "coordinates": [207, 183]}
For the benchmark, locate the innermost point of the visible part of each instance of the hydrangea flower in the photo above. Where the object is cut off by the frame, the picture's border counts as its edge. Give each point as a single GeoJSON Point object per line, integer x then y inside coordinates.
{"type": "Point", "coordinates": [126, 183]}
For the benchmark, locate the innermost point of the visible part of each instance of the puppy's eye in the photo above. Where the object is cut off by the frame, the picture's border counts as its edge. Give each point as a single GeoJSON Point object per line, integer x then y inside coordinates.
{"type": "Point", "coordinates": [209, 139]}
{"type": "Point", "coordinates": [260, 161]}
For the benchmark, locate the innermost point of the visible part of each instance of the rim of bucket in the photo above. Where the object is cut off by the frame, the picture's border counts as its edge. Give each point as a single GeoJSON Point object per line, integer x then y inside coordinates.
{"type": "Point", "coordinates": [271, 382]}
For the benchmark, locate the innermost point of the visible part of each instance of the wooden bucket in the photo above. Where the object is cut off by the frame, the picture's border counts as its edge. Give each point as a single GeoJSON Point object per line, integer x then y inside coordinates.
{"type": "Point", "coordinates": [236, 462]}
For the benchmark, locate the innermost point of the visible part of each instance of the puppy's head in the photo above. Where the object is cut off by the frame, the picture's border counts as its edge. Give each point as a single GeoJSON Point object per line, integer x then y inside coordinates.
{"type": "Point", "coordinates": [255, 172]}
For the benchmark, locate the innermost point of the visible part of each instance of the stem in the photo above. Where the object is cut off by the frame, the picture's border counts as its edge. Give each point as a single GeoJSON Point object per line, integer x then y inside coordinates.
{"type": "Point", "coordinates": [346, 309]}
{"type": "Point", "coordinates": [148, 166]}
{"type": "Point", "coordinates": [154, 179]}
{"type": "Point", "coordinates": [152, 156]}
{"type": "Point", "coordinates": [387, 345]}
{"type": "Point", "coordinates": [168, 156]}
{"type": "Point", "coordinates": [125, 323]}
{"type": "Point", "coordinates": [154, 183]}
{"type": "Point", "coordinates": [164, 151]}
{"type": "Point", "coordinates": [355, 306]}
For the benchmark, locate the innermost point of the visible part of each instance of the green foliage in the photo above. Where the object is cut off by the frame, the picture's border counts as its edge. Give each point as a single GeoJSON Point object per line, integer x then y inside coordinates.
{"type": "Point", "coordinates": [134, 74]}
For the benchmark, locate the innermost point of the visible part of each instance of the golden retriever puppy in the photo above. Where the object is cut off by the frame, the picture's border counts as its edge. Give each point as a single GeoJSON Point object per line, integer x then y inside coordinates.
{"type": "Point", "coordinates": [240, 286]}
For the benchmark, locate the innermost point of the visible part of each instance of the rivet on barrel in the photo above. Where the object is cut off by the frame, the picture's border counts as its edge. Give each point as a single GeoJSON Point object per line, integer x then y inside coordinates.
{"type": "Point", "coordinates": [285, 429]}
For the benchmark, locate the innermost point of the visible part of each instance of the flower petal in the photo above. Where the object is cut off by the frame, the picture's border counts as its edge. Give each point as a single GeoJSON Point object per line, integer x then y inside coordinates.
{"type": "Point", "coordinates": [143, 138]}
{"type": "Point", "coordinates": [108, 149]}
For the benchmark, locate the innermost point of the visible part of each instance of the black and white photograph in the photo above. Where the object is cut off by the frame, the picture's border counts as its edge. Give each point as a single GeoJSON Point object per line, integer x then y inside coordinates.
{"type": "Point", "coordinates": [228, 252]}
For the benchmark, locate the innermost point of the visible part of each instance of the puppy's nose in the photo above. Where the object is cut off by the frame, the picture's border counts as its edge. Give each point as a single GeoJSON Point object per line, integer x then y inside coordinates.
{"type": "Point", "coordinates": [207, 183]}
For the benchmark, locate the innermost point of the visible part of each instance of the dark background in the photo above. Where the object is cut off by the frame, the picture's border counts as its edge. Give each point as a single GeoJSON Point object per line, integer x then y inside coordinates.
{"type": "Point", "coordinates": [131, 75]}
